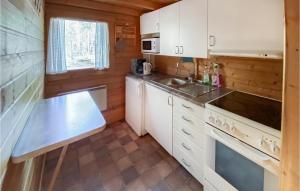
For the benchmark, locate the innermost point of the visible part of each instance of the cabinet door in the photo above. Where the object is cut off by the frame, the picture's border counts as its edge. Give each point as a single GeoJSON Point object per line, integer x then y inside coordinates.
{"type": "Point", "coordinates": [245, 26]}
{"type": "Point", "coordinates": [169, 30]}
{"type": "Point", "coordinates": [193, 28]}
{"type": "Point", "coordinates": [133, 105]}
{"type": "Point", "coordinates": [158, 116]}
{"type": "Point", "coordinates": [150, 22]}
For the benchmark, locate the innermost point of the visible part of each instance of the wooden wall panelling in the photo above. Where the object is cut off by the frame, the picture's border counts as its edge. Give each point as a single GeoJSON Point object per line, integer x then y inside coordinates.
{"type": "Point", "coordinates": [21, 85]}
{"type": "Point", "coordinates": [290, 149]}
{"type": "Point", "coordinates": [258, 76]}
{"type": "Point", "coordinates": [120, 59]}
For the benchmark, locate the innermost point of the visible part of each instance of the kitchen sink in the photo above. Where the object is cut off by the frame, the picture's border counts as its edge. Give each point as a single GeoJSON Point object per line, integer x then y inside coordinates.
{"type": "Point", "coordinates": [173, 82]}
{"type": "Point", "coordinates": [195, 89]}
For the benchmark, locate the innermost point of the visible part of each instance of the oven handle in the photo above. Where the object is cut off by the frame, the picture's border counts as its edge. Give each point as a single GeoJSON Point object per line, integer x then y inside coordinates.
{"type": "Point", "coordinates": [263, 157]}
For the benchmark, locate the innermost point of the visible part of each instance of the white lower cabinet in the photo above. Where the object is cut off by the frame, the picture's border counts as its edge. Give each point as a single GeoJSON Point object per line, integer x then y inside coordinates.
{"type": "Point", "coordinates": [158, 116]}
{"type": "Point", "coordinates": [188, 136]}
{"type": "Point", "coordinates": [134, 104]}
{"type": "Point", "coordinates": [178, 126]}
{"type": "Point", "coordinates": [189, 163]}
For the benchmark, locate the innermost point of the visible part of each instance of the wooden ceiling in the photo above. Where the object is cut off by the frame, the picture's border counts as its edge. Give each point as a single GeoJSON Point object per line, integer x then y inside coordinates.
{"type": "Point", "coordinates": [140, 5]}
{"type": "Point", "coordinates": [126, 7]}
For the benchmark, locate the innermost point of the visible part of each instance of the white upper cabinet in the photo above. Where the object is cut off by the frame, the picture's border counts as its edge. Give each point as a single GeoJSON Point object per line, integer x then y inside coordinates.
{"type": "Point", "coordinates": [183, 29]}
{"type": "Point", "coordinates": [169, 30]}
{"type": "Point", "coordinates": [150, 22]}
{"type": "Point", "coordinates": [193, 28]}
{"type": "Point", "coordinates": [246, 28]}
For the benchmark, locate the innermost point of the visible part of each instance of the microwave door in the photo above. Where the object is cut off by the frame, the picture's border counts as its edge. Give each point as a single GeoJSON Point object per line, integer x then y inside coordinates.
{"type": "Point", "coordinates": [147, 45]}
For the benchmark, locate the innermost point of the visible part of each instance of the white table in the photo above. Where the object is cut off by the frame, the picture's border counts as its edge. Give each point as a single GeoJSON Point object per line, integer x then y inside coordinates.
{"type": "Point", "coordinates": [58, 122]}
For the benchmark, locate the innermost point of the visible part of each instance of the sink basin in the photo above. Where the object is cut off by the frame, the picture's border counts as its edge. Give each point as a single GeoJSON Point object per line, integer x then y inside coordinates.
{"type": "Point", "coordinates": [195, 89]}
{"type": "Point", "coordinates": [173, 82]}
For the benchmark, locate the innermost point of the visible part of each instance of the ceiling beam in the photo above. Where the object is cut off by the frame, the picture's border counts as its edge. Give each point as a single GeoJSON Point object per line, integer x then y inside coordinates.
{"type": "Point", "coordinates": [136, 4]}
{"type": "Point", "coordinates": [96, 6]}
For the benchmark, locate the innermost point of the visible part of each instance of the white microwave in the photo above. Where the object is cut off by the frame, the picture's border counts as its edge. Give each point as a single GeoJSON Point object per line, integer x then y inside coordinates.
{"type": "Point", "coordinates": [150, 45]}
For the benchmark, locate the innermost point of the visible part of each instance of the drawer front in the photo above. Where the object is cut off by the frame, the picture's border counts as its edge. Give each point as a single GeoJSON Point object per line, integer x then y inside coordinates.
{"type": "Point", "coordinates": [189, 148]}
{"type": "Point", "coordinates": [196, 169]}
{"type": "Point", "coordinates": [195, 135]}
{"type": "Point", "coordinates": [188, 120]}
{"type": "Point", "coordinates": [186, 107]}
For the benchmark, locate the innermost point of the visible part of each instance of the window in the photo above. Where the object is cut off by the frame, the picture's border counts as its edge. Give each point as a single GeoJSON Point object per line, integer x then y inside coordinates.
{"type": "Point", "coordinates": [80, 44]}
{"type": "Point", "coordinates": [77, 45]}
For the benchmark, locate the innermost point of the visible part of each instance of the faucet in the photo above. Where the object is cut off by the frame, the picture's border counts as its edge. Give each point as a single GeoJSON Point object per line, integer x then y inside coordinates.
{"type": "Point", "coordinates": [177, 66]}
{"type": "Point", "coordinates": [190, 77]}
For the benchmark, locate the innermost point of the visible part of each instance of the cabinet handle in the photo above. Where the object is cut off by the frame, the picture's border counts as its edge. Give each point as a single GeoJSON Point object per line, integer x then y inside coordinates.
{"type": "Point", "coordinates": [184, 146]}
{"type": "Point", "coordinates": [185, 132]}
{"type": "Point", "coordinates": [139, 90]}
{"type": "Point", "coordinates": [186, 119]}
{"type": "Point", "coordinates": [169, 102]}
{"type": "Point", "coordinates": [212, 40]}
{"type": "Point", "coordinates": [177, 50]}
{"type": "Point", "coordinates": [185, 163]}
{"type": "Point", "coordinates": [181, 50]}
{"type": "Point", "coordinates": [186, 107]}
{"type": "Point", "coordinates": [157, 26]}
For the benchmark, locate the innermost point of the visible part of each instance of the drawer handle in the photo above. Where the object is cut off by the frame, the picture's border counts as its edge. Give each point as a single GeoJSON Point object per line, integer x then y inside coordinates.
{"type": "Point", "coordinates": [186, 106]}
{"type": "Point", "coordinates": [184, 146]}
{"type": "Point", "coordinates": [184, 118]}
{"type": "Point", "coordinates": [185, 132]}
{"type": "Point", "coordinates": [185, 163]}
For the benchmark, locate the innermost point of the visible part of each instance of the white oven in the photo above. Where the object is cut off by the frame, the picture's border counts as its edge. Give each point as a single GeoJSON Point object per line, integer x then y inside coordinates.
{"type": "Point", "coordinates": [150, 45]}
{"type": "Point", "coordinates": [231, 164]}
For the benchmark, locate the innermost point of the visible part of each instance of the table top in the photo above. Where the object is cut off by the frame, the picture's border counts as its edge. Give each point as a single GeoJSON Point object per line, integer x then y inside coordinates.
{"type": "Point", "coordinates": [57, 122]}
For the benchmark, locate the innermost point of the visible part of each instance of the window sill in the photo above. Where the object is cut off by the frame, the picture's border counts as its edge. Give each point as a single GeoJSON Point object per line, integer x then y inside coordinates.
{"type": "Point", "coordinates": [70, 73]}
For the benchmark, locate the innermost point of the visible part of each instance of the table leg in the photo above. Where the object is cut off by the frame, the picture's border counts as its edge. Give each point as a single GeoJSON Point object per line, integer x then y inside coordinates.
{"type": "Point", "coordinates": [57, 168]}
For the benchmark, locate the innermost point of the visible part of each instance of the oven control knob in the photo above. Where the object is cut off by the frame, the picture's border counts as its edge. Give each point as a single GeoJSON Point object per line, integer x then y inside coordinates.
{"type": "Point", "coordinates": [226, 126]}
{"type": "Point", "coordinates": [232, 129]}
{"type": "Point", "coordinates": [219, 122]}
{"type": "Point", "coordinates": [273, 147]}
{"type": "Point", "coordinates": [261, 142]}
{"type": "Point", "coordinates": [211, 119]}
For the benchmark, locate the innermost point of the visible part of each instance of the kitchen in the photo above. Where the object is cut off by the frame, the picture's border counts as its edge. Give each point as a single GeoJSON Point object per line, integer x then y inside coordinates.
{"type": "Point", "coordinates": [149, 95]}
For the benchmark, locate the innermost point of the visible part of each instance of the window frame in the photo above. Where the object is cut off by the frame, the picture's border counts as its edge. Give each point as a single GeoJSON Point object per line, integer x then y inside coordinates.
{"type": "Point", "coordinates": [91, 69]}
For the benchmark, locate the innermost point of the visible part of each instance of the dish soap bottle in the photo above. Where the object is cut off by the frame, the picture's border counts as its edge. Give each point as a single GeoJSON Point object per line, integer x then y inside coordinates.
{"type": "Point", "coordinates": [206, 75]}
{"type": "Point", "coordinates": [215, 78]}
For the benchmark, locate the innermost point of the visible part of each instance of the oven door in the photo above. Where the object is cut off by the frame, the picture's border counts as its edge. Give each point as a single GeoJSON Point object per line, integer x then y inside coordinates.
{"type": "Point", "coordinates": [233, 165]}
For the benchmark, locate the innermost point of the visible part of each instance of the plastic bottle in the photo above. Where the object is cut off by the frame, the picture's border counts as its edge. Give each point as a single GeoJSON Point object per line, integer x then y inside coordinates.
{"type": "Point", "coordinates": [215, 78]}
{"type": "Point", "coordinates": [206, 75]}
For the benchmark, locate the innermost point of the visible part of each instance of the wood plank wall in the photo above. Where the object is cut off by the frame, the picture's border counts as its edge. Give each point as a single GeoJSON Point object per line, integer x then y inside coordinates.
{"type": "Point", "coordinates": [22, 74]}
{"type": "Point", "coordinates": [290, 150]}
{"type": "Point", "coordinates": [258, 76]}
{"type": "Point", "coordinates": [114, 77]}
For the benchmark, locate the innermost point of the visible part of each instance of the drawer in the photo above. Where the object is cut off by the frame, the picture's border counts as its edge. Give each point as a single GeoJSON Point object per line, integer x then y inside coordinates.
{"type": "Point", "coordinates": [186, 107]}
{"type": "Point", "coordinates": [188, 120]}
{"type": "Point", "coordinates": [195, 135]}
{"type": "Point", "coordinates": [192, 150]}
{"type": "Point", "coordinates": [196, 169]}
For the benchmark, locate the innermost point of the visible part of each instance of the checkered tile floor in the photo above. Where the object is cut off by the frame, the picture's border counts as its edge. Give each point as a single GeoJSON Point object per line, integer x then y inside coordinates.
{"type": "Point", "coordinates": [117, 159]}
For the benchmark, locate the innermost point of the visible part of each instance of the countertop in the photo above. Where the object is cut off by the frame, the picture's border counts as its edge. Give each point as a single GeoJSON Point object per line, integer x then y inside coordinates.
{"type": "Point", "coordinates": [200, 100]}
{"type": "Point", "coordinates": [56, 122]}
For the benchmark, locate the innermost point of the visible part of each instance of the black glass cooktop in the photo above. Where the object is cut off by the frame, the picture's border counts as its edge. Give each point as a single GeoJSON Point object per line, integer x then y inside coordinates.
{"type": "Point", "coordinates": [259, 109]}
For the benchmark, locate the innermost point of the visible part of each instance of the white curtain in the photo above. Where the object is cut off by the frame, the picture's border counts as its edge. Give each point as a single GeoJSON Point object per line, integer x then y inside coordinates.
{"type": "Point", "coordinates": [56, 54]}
{"type": "Point", "coordinates": [102, 46]}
